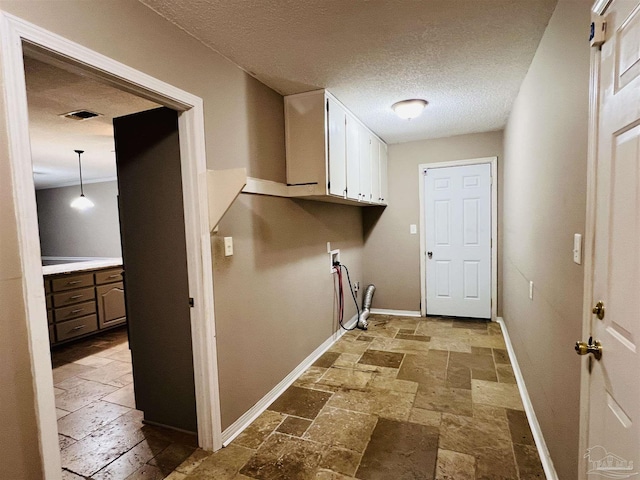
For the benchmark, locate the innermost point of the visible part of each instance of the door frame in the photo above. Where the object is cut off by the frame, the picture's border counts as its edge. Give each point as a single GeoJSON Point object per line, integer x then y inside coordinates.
{"type": "Point", "coordinates": [14, 33]}
{"type": "Point", "coordinates": [493, 161]}
{"type": "Point", "coordinates": [599, 8]}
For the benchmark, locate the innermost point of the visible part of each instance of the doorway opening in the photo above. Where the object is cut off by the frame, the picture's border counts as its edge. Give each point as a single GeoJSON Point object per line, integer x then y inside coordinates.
{"type": "Point", "coordinates": [90, 328]}
{"type": "Point", "coordinates": [21, 38]}
{"type": "Point", "coordinates": [458, 238]}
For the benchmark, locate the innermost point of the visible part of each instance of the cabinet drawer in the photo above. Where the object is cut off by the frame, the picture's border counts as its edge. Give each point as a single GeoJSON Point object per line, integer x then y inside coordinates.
{"type": "Point", "coordinates": [71, 281]}
{"type": "Point", "coordinates": [109, 276]}
{"type": "Point", "coordinates": [75, 296]}
{"type": "Point", "coordinates": [50, 316]}
{"type": "Point", "coordinates": [75, 311]}
{"type": "Point", "coordinates": [77, 327]}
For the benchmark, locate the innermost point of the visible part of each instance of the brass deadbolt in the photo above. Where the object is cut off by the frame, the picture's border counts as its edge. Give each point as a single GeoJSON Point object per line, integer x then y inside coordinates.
{"type": "Point", "coordinates": [598, 310]}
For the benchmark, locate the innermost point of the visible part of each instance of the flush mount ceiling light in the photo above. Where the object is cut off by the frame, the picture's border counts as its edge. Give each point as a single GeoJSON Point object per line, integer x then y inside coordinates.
{"type": "Point", "coordinates": [409, 109]}
{"type": "Point", "coordinates": [81, 202]}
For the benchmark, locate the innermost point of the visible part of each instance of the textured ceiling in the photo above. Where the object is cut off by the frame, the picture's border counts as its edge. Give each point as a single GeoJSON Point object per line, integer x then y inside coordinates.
{"type": "Point", "coordinates": [466, 57]}
{"type": "Point", "coordinates": [52, 91]}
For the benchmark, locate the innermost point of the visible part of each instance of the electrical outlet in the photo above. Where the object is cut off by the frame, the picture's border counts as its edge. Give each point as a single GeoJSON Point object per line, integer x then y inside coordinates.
{"type": "Point", "coordinates": [335, 257]}
{"type": "Point", "coordinates": [356, 287]}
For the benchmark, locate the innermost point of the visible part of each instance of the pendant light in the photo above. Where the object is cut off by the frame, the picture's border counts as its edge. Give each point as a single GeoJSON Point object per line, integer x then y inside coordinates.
{"type": "Point", "coordinates": [81, 202]}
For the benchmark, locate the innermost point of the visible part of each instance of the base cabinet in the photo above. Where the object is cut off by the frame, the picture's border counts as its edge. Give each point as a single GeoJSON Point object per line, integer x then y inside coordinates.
{"type": "Point", "coordinates": [111, 309]}
{"type": "Point", "coordinates": [84, 303]}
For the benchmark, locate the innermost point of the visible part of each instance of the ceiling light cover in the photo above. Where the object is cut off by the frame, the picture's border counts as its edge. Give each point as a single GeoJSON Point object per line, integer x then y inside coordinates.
{"type": "Point", "coordinates": [409, 109]}
{"type": "Point", "coordinates": [81, 202]}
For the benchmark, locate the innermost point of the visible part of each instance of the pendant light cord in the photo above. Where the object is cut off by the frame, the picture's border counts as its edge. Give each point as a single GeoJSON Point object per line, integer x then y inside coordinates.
{"type": "Point", "coordinates": [80, 152]}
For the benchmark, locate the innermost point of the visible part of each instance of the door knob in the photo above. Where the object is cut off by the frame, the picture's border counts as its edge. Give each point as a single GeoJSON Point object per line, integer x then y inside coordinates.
{"type": "Point", "coordinates": [590, 347]}
{"type": "Point", "coordinates": [429, 254]}
{"type": "Point", "coordinates": [598, 310]}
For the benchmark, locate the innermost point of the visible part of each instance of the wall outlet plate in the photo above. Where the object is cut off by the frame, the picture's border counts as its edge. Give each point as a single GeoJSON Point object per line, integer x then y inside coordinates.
{"type": "Point", "coordinates": [334, 255]}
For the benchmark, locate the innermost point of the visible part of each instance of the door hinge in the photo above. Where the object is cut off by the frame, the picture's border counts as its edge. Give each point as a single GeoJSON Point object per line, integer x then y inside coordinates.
{"type": "Point", "coordinates": [329, 186]}
{"type": "Point", "coordinates": [598, 33]}
{"type": "Point", "coordinates": [425, 172]}
{"type": "Point", "coordinates": [192, 302]}
{"type": "Point", "coordinates": [327, 105]}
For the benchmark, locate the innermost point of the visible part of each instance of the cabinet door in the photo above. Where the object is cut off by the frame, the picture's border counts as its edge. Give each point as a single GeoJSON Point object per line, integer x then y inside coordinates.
{"type": "Point", "coordinates": [375, 170]}
{"type": "Point", "coordinates": [336, 133]}
{"type": "Point", "coordinates": [365, 163]}
{"type": "Point", "coordinates": [111, 306]}
{"type": "Point", "coordinates": [384, 183]}
{"type": "Point", "coordinates": [353, 158]}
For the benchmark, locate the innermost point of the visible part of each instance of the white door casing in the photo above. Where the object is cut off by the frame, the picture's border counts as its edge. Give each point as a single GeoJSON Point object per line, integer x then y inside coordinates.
{"type": "Point", "coordinates": [610, 391]}
{"type": "Point", "coordinates": [13, 32]}
{"type": "Point", "coordinates": [458, 238]}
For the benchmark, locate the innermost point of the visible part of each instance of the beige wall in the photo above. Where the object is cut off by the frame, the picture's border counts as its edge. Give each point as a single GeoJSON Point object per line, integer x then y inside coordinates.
{"type": "Point", "coordinates": [392, 254]}
{"type": "Point", "coordinates": [276, 303]}
{"type": "Point", "coordinates": [67, 232]}
{"type": "Point", "coordinates": [544, 205]}
{"type": "Point", "coordinates": [274, 295]}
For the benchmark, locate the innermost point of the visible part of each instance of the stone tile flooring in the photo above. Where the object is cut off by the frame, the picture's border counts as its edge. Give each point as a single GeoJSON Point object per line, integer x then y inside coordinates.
{"type": "Point", "coordinates": [408, 399]}
{"type": "Point", "coordinates": [101, 434]}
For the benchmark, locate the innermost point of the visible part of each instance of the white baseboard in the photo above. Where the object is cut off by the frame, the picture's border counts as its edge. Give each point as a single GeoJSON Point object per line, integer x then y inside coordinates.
{"type": "Point", "coordinates": [254, 412]}
{"type": "Point", "coordinates": [543, 451]}
{"type": "Point", "coordinates": [400, 313]}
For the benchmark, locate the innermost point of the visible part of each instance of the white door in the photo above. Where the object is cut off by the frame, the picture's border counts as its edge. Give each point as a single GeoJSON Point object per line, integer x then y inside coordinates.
{"type": "Point", "coordinates": [614, 385]}
{"type": "Point", "coordinates": [458, 240]}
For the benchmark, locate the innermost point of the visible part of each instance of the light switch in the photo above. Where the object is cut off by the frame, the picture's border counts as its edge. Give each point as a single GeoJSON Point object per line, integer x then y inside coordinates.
{"type": "Point", "coordinates": [413, 229]}
{"type": "Point", "coordinates": [531, 290]}
{"type": "Point", "coordinates": [577, 248]}
{"type": "Point", "coordinates": [228, 246]}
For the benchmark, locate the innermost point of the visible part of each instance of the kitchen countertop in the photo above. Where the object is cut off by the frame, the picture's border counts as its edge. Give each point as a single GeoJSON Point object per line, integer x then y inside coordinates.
{"type": "Point", "coordinates": [82, 266]}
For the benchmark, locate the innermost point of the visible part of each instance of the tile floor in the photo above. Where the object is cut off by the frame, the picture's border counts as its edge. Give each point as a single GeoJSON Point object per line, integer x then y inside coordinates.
{"type": "Point", "coordinates": [101, 434]}
{"type": "Point", "coordinates": [408, 399]}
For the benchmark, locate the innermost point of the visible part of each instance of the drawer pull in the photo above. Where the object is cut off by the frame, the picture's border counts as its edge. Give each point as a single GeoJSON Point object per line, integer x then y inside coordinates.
{"type": "Point", "coordinates": [79, 327]}
{"type": "Point", "coordinates": [115, 275]}
{"type": "Point", "coordinates": [78, 310]}
{"type": "Point", "coordinates": [75, 297]}
{"type": "Point", "coordinates": [73, 282]}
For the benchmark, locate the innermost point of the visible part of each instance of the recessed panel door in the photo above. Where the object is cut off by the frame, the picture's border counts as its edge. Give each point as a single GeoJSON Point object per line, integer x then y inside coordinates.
{"type": "Point", "coordinates": [614, 387]}
{"type": "Point", "coordinates": [458, 240]}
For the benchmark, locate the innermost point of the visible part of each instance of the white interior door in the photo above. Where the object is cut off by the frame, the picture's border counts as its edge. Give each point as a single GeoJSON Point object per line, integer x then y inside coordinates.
{"type": "Point", "coordinates": [614, 386]}
{"type": "Point", "coordinates": [458, 240]}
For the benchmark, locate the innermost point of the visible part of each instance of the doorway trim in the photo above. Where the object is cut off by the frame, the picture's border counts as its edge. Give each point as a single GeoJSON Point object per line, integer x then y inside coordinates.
{"type": "Point", "coordinates": [493, 161]}
{"type": "Point", "coordinates": [13, 33]}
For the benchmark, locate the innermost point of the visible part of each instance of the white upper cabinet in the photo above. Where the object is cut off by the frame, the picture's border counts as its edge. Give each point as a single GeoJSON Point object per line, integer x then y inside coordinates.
{"type": "Point", "coordinates": [353, 158]}
{"type": "Point", "coordinates": [364, 138]}
{"type": "Point", "coordinates": [384, 183]}
{"type": "Point", "coordinates": [337, 141]}
{"type": "Point", "coordinates": [327, 146]}
{"type": "Point", "coordinates": [375, 170]}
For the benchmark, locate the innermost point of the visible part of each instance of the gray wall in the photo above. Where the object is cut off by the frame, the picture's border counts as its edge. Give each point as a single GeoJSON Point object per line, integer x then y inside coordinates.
{"type": "Point", "coordinates": [274, 294]}
{"type": "Point", "coordinates": [545, 188]}
{"type": "Point", "coordinates": [67, 232]}
{"type": "Point", "coordinates": [392, 254]}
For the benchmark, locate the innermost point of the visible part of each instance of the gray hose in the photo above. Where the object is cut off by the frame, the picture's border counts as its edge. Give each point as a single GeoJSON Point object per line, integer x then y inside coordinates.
{"type": "Point", "coordinates": [363, 321]}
